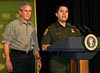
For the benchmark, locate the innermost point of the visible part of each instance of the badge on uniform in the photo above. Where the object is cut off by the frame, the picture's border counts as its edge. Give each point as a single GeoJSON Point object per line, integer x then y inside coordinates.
{"type": "Point", "coordinates": [72, 30]}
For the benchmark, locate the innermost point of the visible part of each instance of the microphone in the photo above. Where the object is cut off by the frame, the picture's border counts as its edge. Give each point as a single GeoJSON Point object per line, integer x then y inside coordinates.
{"type": "Point", "coordinates": [87, 29]}
{"type": "Point", "coordinates": [84, 30]}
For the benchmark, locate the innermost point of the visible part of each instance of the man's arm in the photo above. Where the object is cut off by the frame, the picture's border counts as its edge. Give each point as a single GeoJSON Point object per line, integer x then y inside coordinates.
{"type": "Point", "coordinates": [6, 51]}
{"type": "Point", "coordinates": [9, 66]}
{"type": "Point", "coordinates": [37, 54]}
{"type": "Point", "coordinates": [38, 59]}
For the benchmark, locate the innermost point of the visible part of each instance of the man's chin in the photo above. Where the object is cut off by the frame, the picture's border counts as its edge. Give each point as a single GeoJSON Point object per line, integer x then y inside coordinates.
{"type": "Point", "coordinates": [64, 20]}
{"type": "Point", "coordinates": [27, 19]}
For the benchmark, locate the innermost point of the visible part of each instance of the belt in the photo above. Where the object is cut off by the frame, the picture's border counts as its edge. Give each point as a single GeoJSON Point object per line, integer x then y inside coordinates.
{"type": "Point", "coordinates": [22, 52]}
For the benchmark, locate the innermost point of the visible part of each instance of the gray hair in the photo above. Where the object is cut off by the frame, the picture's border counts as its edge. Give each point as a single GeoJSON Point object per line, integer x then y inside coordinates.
{"type": "Point", "coordinates": [22, 4]}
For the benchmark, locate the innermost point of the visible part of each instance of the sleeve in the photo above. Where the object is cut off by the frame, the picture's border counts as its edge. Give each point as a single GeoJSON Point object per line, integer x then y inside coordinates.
{"type": "Point", "coordinates": [8, 34]}
{"type": "Point", "coordinates": [35, 41]}
{"type": "Point", "coordinates": [46, 39]}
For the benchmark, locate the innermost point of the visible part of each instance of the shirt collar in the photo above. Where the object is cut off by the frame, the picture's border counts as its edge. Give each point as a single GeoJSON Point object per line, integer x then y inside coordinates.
{"type": "Point", "coordinates": [58, 24]}
{"type": "Point", "coordinates": [21, 22]}
{"type": "Point", "coordinates": [67, 24]}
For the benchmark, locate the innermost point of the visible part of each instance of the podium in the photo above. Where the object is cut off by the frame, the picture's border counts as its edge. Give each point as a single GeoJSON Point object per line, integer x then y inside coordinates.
{"type": "Point", "coordinates": [74, 49]}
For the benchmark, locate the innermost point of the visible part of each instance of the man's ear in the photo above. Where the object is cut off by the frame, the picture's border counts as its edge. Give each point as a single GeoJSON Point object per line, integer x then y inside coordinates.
{"type": "Point", "coordinates": [56, 14]}
{"type": "Point", "coordinates": [19, 11]}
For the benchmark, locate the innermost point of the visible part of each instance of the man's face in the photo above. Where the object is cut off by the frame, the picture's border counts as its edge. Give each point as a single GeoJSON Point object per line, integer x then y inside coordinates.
{"type": "Point", "coordinates": [26, 12]}
{"type": "Point", "coordinates": [62, 14]}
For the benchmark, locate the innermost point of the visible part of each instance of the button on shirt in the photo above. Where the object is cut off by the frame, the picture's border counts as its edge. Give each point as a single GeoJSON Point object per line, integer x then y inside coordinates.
{"type": "Point", "coordinates": [21, 36]}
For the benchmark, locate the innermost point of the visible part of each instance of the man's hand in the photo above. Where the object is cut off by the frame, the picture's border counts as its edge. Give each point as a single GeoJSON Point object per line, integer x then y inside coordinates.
{"type": "Point", "coordinates": [39, 64]}
{"type": "Point", "coordinates": [9, 66]}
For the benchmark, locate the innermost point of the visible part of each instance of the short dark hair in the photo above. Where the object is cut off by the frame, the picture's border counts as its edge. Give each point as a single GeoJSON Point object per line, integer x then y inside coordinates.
{"type": "Point", "coordinates": [22, 4]}
{"type": "Point", "coordinates": [58, 6]}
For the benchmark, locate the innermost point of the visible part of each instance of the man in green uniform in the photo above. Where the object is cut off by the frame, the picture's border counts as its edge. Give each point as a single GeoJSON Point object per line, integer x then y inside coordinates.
{"type": "Point", "coordinates": [57, 31]}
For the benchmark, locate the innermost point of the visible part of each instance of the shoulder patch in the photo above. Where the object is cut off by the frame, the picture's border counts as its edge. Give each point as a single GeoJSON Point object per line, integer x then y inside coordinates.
{"type": "Point", "coordinates": [46, 31]}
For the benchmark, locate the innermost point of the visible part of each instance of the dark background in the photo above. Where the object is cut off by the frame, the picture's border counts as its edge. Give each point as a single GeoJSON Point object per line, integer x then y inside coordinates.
{"type": "Point", "coordinates": [81, 13]}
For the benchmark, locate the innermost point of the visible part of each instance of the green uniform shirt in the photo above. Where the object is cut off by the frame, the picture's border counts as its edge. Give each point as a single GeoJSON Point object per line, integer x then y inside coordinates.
{"type": "Point", "coordinates": [55, 32]}
{"type": "Point", "coordinates": [20, 36]}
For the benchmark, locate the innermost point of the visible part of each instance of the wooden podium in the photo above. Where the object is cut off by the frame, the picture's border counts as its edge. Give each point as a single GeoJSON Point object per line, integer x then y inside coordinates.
{"type": "Point", "coordinates": [74, 49]}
